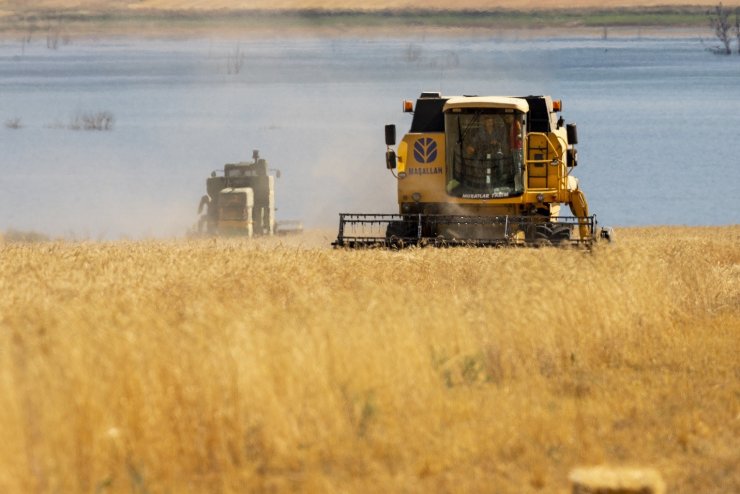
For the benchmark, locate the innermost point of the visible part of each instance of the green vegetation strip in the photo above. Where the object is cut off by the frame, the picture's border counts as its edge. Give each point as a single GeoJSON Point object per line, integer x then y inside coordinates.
{"type": "Point", "coordinates": [646, 17]}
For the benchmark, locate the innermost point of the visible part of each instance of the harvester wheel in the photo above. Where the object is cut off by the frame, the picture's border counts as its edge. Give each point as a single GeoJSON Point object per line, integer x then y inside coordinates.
{"type": "Point", "coordinates": [560, 234]}
{"type": "Point", "coordinates": [396, 234]}
{"type": "Point", "coordinates": [542, 236]}
{"type": "Point", "coordinates": [394, 242]}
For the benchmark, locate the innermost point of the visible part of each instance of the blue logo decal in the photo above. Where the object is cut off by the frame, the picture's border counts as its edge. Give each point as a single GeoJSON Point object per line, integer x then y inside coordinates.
{"type": "Point", "coordinates": [425, 150]}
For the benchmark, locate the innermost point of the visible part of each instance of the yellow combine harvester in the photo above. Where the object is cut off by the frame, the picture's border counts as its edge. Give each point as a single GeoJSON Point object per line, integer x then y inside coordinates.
{"type": "Point", "coordinates": [480, 171]}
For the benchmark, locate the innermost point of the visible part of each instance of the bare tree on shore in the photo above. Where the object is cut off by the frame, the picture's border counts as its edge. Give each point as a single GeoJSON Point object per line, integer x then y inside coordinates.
{"type": "Point", "coordinates": [719, 20]}
{"type": "Point", "coordinates": [27, 35]}
{"type": "Point", "coordinates": [235, 61]}
{"type": "Point", "coordinates": [737, 28]}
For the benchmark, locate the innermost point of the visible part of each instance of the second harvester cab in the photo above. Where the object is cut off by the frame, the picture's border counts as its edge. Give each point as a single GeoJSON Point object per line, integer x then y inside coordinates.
{"type": "Point", "coordinates": [480, 171]}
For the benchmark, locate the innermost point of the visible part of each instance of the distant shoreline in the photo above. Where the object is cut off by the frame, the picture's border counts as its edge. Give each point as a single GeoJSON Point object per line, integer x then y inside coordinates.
{"type": "Point", "coordinates": [689, 21]}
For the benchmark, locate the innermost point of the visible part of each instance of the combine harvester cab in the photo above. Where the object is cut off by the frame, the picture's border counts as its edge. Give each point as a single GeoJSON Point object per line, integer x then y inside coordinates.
{"type": "Point", "coordinates": [240, 201]}
{"type": "Point", "coordinates": [485, 171]}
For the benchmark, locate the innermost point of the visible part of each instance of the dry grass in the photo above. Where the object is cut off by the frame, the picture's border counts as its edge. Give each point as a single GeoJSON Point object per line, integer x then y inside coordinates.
{"type": "Point", "coordinates": [214, 366]}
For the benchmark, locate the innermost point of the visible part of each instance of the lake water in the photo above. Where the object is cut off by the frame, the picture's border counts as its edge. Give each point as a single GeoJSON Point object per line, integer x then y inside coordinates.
{"type": "Point", "coordinates": [658, 123]}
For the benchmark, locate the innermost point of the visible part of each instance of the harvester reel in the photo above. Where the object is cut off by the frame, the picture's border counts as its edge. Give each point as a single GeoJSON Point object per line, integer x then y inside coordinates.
{"type": "Point", "coordinates": [400, 231]}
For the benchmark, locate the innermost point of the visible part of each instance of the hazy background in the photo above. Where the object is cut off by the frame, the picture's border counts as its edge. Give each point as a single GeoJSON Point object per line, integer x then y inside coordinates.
{"type": "Point", "coordinates": [657, 121]}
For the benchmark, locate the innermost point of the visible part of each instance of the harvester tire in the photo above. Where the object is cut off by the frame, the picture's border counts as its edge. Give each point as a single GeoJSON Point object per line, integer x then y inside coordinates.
{"type": "Point", "coordinates": [560, 234]}
{"type": "Point", "coordinates": [542, 236]}
{"type": "Point", "coordinates": [395, 242]}
{"type": "Point", "coordinates": [397, 234]}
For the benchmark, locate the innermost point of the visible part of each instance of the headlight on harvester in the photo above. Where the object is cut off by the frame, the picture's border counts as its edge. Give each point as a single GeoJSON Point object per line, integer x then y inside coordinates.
{"type": "Point", "coordinates": [540, 197]}
{"type": "Point", "coordinates": [416, 197]}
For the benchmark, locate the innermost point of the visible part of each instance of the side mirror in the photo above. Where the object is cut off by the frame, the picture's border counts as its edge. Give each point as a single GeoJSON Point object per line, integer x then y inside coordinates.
{"type": "Point", "coordinates": [572, 133]}
{"type": "Point", "coordinates": [572, 157]}
{"type": "Point", "coordinates": [390, 135]}
{"type": "Point", "coordinates": [390, 159]}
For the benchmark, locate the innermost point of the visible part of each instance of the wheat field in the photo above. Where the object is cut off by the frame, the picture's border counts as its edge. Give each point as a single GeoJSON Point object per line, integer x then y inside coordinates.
{"type": "Point", "coordinates": [220, 366]}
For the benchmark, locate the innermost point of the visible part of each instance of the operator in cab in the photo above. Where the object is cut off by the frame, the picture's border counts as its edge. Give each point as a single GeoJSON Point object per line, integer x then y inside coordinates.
{"type": "Point", "coordinates": [489, 140]}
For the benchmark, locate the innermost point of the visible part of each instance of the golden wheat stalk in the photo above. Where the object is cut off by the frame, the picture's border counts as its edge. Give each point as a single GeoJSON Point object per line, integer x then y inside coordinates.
{"type": "Point", "coordinates": [224, 366]}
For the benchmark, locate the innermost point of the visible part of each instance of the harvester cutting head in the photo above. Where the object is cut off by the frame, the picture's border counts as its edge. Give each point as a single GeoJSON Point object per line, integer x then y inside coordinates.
{"type": "Point", "coordinates": [480, 171]}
